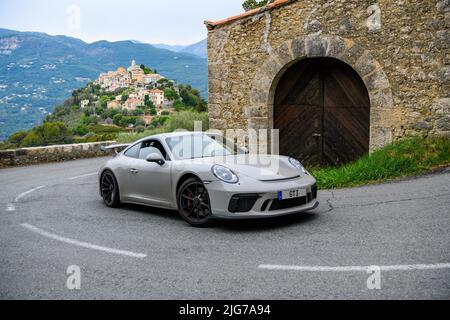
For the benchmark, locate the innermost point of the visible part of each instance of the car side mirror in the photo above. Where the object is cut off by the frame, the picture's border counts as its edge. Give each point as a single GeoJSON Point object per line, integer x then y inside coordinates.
{"type": "Point", "coordinates": [245, 150]}
{"type": "Point", "coordinates": [153, 157]}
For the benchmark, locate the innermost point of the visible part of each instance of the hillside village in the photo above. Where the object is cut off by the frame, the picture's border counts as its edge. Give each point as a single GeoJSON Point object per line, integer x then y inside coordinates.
{"type": "Point", "coordinates": [128, 101]}
{"type": "Point", "coordinates": [139, 87]}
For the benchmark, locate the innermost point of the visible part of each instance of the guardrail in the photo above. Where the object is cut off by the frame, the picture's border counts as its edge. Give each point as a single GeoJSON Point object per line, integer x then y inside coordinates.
{"type": "Point", "coordinates": [57, 153]}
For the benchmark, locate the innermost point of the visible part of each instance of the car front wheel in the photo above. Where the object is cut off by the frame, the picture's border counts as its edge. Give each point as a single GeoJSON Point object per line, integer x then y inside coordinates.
{"type": "Point", "coordinates": [110, 190]}
{"type": "Point", "coordinates": [193, 203]}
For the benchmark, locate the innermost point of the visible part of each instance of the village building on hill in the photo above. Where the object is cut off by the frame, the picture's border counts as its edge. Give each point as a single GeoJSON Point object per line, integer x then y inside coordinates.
{"type": "Point", "coordinates": [114, 104]}
{"type": "Point", "coordinates": [157, 97]}
{"type": "Point", "coordinates": [139, 83]}
{"type": "Point", "coordinates": [133, 103]}
{"type": "Point", "coordinates": [124, 78]}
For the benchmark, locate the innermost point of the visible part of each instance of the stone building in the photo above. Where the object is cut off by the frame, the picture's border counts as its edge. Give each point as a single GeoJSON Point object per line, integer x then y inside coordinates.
{"type": "Point", "coordinates": [337, 78]}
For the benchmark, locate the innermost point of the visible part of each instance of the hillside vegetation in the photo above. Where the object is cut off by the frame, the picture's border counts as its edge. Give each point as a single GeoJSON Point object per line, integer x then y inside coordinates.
{"type": "Point", "coordinates": [408, 157]}
{"type": "Point", "coordinates": [69, 123]}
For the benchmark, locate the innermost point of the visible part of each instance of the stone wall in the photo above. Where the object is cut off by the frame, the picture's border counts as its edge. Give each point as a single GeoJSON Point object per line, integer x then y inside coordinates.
{"type": "Point", "coordinates": [29, 156]}
{"type": "Point", "coordinates": [399, 48]}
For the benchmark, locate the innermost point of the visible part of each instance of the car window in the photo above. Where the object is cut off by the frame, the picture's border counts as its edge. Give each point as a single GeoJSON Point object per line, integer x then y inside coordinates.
{"type": "Point", "coordinates": [200, 146]}
{"type": "Point", "coordinates": [133, 152]}
{"type": "Point", "coordinates": [144, 152]}
{"type": "Point", "coordinates": [152, 146]}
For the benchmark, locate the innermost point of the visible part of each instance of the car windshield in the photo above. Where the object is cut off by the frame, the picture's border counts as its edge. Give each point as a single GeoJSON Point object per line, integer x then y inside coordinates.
{"type": "Point", "coordinates": [195, 146]}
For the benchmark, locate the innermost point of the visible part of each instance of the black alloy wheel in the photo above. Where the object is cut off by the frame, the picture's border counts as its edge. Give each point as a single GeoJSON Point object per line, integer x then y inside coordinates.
{"type": "Point", "coordinates": [110, 190]}
{"type": "Point", "coordinates": [193, 203]}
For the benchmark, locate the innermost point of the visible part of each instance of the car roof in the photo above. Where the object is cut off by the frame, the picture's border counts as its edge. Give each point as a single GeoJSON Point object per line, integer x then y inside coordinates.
{"type": "Point", "coordinates": [163, 136]}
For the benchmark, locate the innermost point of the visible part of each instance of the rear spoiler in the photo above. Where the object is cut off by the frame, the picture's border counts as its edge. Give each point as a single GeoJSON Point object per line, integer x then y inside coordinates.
{"type": "Point", "coordinates": [117, 148]}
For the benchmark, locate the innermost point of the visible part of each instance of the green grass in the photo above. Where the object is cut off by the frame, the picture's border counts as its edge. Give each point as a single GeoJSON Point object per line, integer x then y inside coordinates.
{"type": "Point", "coordinates": [407, 157]}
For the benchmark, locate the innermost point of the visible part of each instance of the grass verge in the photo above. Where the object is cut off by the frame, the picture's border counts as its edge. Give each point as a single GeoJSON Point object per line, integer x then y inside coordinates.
{"type": "Point", "coordinates": [405, 158]}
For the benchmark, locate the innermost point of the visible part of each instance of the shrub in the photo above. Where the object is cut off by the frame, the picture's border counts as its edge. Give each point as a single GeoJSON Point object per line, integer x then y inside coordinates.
{"type": "Point", "coordinates": [32, 139]}
{"type": "Point", "coordinates": [185, 120]}
{"type": "Point", "coordinates": [403, 158]}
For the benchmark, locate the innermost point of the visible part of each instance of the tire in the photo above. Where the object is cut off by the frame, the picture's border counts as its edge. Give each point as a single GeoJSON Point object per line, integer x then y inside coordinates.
{"type": "Point", "coordinates": [193, 203]}
{"type": "Point", "coordinates": [109, 189]}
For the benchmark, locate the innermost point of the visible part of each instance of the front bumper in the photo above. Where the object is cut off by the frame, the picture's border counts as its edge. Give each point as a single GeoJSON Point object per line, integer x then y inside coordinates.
{"type": "Point", "coordinates": [260, 198]}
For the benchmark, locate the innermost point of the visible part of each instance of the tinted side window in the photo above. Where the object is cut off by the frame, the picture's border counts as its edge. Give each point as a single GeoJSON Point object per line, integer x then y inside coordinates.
{"type": "Point", "coordinates": [133, 152]}
{"type": "Point", "coordinates": [152, 146]}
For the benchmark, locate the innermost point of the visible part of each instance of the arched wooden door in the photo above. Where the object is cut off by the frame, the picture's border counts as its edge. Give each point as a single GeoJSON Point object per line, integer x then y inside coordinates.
{"type": "Point", "coordinates": [322, 109]}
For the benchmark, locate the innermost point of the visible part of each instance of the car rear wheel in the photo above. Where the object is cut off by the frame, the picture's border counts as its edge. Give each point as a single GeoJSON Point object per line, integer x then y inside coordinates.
{"type": "Point", "coordinates": [193, 203]}
{"type": "Point", "coordinates": [110, 190]}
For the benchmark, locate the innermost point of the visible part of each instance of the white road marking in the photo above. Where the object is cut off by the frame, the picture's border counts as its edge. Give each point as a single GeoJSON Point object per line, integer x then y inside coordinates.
{"type": "Point", "coordinates": [11, 206]}
{"type": "Point", "coordinates": [83, 176]}
{"type": "Point", "coordinates": [82, 244]}
{"type": "Point", "coordinates": [24, 194]}
{"type": "Point", "coordinates": [408, 267]}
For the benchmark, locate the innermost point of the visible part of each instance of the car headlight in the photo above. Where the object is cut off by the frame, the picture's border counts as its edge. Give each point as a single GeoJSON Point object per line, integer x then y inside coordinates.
{"type": "Point", "coordinates": [225, 174]}
{"type": "Point", "coordinates": [298, 165]}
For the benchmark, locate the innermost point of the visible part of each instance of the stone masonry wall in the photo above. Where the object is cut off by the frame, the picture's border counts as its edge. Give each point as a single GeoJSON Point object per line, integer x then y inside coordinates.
{"type": "Point", "coordinates": [29, 156]}
{"type": "Point", "coordinates": [400, 48]}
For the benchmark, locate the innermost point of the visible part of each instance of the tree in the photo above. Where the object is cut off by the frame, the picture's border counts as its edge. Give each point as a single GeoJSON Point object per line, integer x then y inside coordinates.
{"type": "Point", "coordinates": [32, 139]}
{"type": "Point", "coordinates": [117, 118]}
{"type": "Point", "coordinates": [94, 119]}
{"type": "Point", "coordinates": [202, 106]}
{"type": "Point", "coordinates": [81, 130]}
{"type": "Point", "coordinates": [254, 4]}
{"type": "Point", "coordinates": [146, 70]}
{"type": "Point", "coordinates": [171, 94]}
{"type": "Point", "coordinates": [148, 102]}
{"type": "Point", "coordinates": [189, 99]}
{"type": "Point", "coordinates": [178, 105]}
{"type": "Point", "coordinates": [17, 137]}
{"type": "Point", "coordinates": [138, 112]}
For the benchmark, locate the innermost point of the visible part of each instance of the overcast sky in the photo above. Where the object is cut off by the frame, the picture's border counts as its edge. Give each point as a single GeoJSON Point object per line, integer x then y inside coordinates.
{"type": "Point", "coordinates": [150, 21]}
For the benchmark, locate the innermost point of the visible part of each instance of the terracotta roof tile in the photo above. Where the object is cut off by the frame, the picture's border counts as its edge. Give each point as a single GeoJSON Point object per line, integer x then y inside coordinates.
{"type": "Point", "coordinates": [211, 25]}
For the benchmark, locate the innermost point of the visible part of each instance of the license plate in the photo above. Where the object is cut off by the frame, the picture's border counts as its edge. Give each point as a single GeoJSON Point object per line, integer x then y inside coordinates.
{"type": "Point", "coordinates": [291, 194]}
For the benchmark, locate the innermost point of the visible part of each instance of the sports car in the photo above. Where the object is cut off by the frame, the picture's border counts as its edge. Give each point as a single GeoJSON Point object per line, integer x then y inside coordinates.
{"type": "Point", "coordinates": [205, 176]}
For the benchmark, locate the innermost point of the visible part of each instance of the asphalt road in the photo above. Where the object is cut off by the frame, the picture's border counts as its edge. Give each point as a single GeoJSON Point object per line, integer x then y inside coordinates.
{"type": "Point", "coordinates": [51, 217]}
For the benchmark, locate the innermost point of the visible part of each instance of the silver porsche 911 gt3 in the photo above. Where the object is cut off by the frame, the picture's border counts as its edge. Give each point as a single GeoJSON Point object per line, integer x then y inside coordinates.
{"type": "Point", "coordinates": [204, 176]}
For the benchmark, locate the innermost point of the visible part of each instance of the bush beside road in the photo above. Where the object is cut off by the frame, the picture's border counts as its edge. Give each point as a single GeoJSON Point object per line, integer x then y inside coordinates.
{"type": "Point", "coordinates": [405, 158]}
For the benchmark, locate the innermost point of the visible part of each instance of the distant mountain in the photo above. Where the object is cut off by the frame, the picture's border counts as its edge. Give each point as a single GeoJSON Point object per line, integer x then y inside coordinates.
{"type": "Point", "coordinates": [39, 71]}
{"type": "Point", "coordinates": [199, 49]}
{"type": "Point", "coordinates": [174, 48]}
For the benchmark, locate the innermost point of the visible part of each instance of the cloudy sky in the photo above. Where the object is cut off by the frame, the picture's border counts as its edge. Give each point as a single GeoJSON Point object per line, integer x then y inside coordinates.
{"type": "Point", "coordinates": [150, 21]}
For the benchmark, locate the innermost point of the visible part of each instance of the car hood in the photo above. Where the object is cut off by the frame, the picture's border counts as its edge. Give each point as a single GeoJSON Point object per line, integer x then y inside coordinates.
{"type": "Point", "coordinates": [258, 167]}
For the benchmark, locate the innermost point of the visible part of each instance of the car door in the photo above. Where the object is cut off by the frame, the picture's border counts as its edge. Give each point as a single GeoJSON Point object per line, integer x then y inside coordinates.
{"type": "Point", "coordinates": [152, 181]}
{"type": "Point", "coordinates": [127, 172]}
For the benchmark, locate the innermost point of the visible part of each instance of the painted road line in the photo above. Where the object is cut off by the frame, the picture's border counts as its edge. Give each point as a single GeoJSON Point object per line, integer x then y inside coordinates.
{"type": "Point", "coordinates": [24, 194]}
{"type": "Point", "coordinates": [81, 243]}
{"type": "Point", "coordinates": [11, 206]}
{"type": "Point", "coordinates": [83, 176]}
{"type": "Point", "coordinates": [408, 267]}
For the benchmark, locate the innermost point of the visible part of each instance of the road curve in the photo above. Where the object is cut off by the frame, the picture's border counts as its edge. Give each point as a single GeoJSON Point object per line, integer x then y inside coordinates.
{"type": "Point", "coordinates": [51, 217]}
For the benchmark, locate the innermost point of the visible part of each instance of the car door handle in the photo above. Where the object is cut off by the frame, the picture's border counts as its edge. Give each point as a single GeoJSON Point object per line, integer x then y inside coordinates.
{"type": "Point", "coordinates": [134, 171]}
{"type": "Point", "coordinates": [316, 135]}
